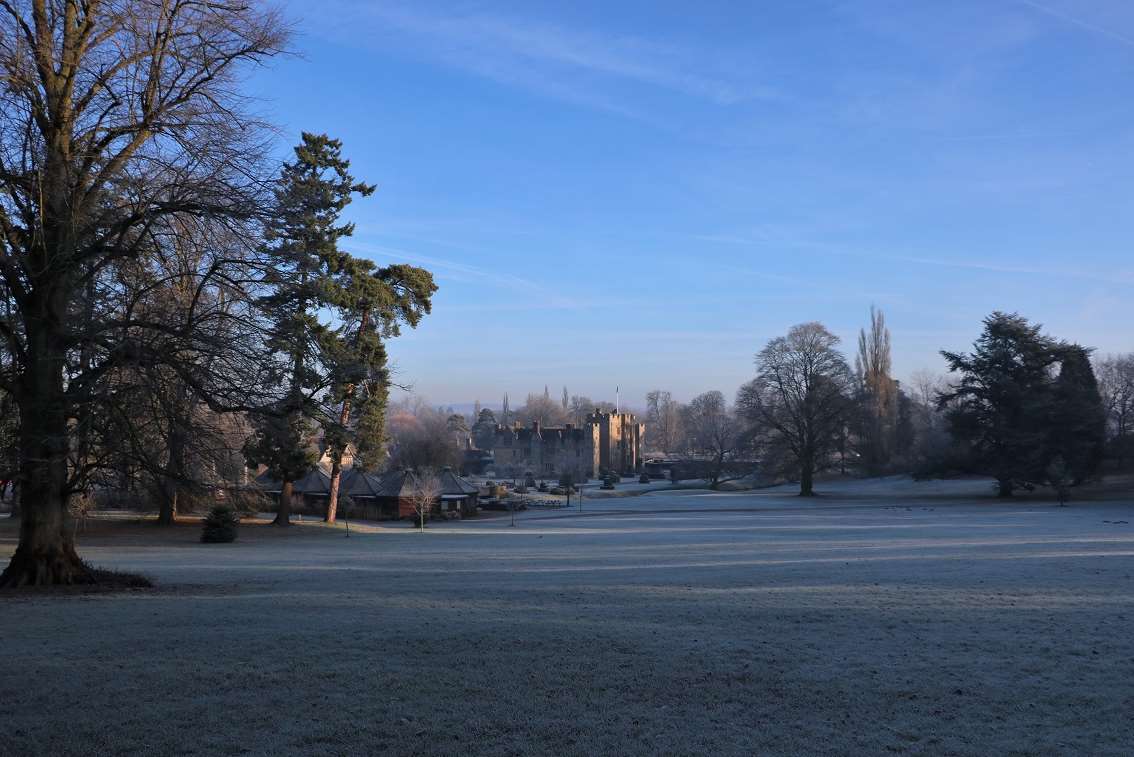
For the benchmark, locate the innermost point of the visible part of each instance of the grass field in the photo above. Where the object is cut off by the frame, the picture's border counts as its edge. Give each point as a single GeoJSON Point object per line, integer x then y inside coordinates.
{"type": "Point", "coordinates": [883, 618]}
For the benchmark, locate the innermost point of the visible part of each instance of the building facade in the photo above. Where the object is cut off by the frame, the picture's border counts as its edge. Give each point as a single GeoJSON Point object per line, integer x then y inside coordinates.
{"type": "Point", "coordinates": [606, 442]}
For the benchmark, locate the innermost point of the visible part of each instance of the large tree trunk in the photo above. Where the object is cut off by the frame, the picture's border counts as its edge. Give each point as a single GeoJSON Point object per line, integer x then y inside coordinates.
{"type": "Point", "coordinates": [283, 512]}
{"type": "Point", "coordinates": [46, 552]}
{"type": "Point", "coordinates": [806, 477]}
{"type": "Point", "coordinates": [337, 468]}
{"type": "Point", "coordinates": [344, 419]}
{"type": "Point", "coordinates": [173, 477]}
{"type": "Point", "coordinates": [167, 512]}
{"type": "Point", "coordinates": [1004, 488]}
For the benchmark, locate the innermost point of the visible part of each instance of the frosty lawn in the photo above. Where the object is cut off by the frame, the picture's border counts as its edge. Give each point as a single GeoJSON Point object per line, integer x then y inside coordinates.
{"type": "Point", "coordinates": [908, 618]}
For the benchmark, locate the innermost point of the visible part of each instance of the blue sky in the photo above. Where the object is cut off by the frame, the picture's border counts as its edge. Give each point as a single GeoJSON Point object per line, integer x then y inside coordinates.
{"type": "Point", "coordinates": [643, 193]}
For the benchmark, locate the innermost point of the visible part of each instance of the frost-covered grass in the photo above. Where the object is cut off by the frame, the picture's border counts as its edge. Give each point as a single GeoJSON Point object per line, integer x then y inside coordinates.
{"type": "Point", "coordinates": [884, 617]}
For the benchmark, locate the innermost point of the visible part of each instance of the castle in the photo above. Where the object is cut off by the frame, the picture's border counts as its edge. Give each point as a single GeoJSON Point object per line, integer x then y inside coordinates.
{"type": "Point", "coordinates": [607, 442]}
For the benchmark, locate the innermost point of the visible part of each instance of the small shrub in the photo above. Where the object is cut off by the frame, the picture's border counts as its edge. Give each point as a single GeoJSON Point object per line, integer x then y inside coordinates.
{"type": "Point", "coordinates": [220, 525]}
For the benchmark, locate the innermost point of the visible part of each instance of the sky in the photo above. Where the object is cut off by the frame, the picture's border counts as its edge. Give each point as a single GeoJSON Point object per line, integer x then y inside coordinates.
{"type": "Point", "coordinates": [642, 194]}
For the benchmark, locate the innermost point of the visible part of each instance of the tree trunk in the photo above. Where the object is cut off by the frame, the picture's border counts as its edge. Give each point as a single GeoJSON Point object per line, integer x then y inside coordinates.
{"type": "Point", "coordinates": [336, 478]}
{"type": "Point", "coordinates": [283, 512]}
{"type": "Point", "coordinates": [1004, 488]}
{"type": "Point", "coordinates": [167, 514]}
{"type": "Point", "coordinates": [344, 419]}
{"type": "Point", "coordinates": [173, 476]}
{"type": "Point", "coordinates": [806, 477]}
{"type": "Point", "coordinates": [337, 468]}
{"type": "Point", "coordinates": [46, 553]}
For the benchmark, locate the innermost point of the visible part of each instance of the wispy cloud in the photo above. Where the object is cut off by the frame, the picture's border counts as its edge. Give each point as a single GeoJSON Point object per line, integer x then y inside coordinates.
{"type": "Point", "coordinates": [787, 241]}
{"type": "Point", "coordinates": [578, 65]}
{"type": "Point", "coordinates": [523, 294]}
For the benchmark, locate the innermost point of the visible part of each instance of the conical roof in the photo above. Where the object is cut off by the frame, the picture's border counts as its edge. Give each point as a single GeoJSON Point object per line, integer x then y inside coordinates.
{"type": "Point", "coordinates": [359, 483]}
{"type": "Point", "coordinates": [400, 483]}
{"type": "Point", "coordinates": [314, 482]}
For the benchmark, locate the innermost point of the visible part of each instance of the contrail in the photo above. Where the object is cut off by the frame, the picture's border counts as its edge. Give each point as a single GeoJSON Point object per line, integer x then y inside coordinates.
{"type": "Point", "coordinates": [1129, 42]}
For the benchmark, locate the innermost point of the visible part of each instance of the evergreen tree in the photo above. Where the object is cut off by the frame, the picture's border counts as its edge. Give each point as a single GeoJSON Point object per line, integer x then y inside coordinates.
{"type": "Point", "coordinates": [1012, 414]}
{"type": "Point", "coordinates": [484, 430]}
{"type": "Point", "coordinates": [1077, 425]}
{"type": "Point", "coordinates": [302, 241]}
{"type": "Point", "coordinates": [372, 304]}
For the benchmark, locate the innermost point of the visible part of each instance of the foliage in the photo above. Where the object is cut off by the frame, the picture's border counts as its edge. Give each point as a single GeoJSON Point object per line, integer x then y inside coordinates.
{"type": "Point", "coordinates": [484, 429]}
{"type": "Point", "coordinates": [1077, 419]}
{"type": "Point", "coordinates": [1024, 399]}
{"type": "Point", "coordinates": [341, 363]}
{"type": "Point", "coordinates": [220, 525]}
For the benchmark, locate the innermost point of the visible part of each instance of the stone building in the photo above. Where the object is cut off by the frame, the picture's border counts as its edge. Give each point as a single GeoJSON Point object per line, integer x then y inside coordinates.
{"type": "Point", "coordinates": [606, 442]}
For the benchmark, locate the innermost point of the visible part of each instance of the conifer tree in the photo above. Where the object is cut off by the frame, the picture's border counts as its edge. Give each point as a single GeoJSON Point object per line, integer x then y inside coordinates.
{"type": "Point", "coordinates": [372, 303]}
{"type": "Point", "coordinates": [1024, 402]}
{"type": "Point", "coordinates": [1077, 426]}
{"type": "Point", "coordinates": [302, 241]}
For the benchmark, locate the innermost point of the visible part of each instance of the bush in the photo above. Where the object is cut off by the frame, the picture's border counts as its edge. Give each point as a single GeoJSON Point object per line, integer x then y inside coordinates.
{"type": "Point", "coordinates": [220, 525]}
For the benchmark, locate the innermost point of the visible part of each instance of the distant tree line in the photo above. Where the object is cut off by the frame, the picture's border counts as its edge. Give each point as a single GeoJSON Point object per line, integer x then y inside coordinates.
{"type": "Point", "coordinates": [1024, 408]}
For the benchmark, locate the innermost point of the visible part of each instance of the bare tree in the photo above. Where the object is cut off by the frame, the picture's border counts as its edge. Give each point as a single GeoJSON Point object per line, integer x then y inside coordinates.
{"type": "Point", "coordinates": [114, 118]}
{"type": "Point", "coordinates": [579, 408]}
{"type": "Point", "coordinates": [543, 409]}
{"type": "Point", "coordinates": [663, 420]}
{"type": "Point", "coordinates": [422, 436]}
{"type": "Point", "coordinates": [1116, 385]}
{"type": "Point", "coordinates": [425, 493]}
{"type": "Point", "coordinates": [878, 396]}
{"type": "Point", "coordinates": [931, 437]}
{"type": "Point", "coordinates": [800, 397]}
{"type": "Point", "coordinates": [713, 431]}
